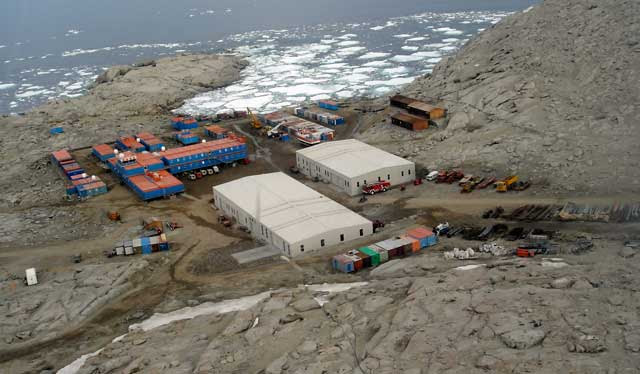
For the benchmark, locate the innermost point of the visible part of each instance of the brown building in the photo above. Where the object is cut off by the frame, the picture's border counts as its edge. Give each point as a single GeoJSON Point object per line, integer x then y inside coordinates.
{"type": "Point", "coordinates": [410, 122]}
{"type": "Point", "coordinates": [426, 110]}
{"type": "Point", "coordinates": [400, 101]}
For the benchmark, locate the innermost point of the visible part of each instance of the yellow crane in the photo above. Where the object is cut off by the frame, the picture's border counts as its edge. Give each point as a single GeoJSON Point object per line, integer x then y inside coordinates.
{"type": "Point", "coordinates": [255, 122]}
{"type": "Point", "coordinates": [506, 184]}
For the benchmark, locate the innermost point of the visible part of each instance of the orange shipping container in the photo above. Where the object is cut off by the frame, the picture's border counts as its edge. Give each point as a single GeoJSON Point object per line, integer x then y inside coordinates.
{"type": "Point", "coordinates": [415, 244]}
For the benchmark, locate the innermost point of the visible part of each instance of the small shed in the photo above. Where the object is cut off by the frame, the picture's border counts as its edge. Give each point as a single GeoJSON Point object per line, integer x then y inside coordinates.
{"type": "Point", "coordinates": [426, 110]}
{"type": "Point", "coordinates": [410, 122]}
{"type": "Point", "coordinates": [30, 277]}
{"type": "Point", "coordinates": [400, 101]}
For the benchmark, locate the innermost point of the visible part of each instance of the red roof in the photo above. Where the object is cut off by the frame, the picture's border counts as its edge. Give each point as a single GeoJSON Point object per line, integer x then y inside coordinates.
{"type": "Point", "coordinates": [155, 180]}
{"type": "Point", "coordinates": [216, 129]}
{"type": "Point", "coordinates": [103, 149]}
{"type": "Point", "coordinates": [146, 159]}
{"type": "Point", "coordinates": [131, 142]}
{"type": "Point", "coordinates": [419, 233]}
{"type": "Point", "coordinates": [61, 155]}
{"type": "Point", "coordinates": [78, 182]}
{"type": "Point", "coordinates": [149, 138]}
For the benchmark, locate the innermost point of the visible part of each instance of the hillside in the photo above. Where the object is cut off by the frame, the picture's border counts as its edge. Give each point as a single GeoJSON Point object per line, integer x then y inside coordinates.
{"type": "Point", "coordinates": [551, 93]}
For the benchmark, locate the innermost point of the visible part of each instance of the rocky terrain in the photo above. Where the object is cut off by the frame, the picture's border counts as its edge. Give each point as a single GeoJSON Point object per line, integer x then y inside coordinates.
{"type": "Point", "coordinates": [124, 100]}
{"type": "Point", "coordinates": [551, 93]}
{"type": "Point", "coordinates": [63, 299]}
{"type": "Point", "coordinates": [576, 314]}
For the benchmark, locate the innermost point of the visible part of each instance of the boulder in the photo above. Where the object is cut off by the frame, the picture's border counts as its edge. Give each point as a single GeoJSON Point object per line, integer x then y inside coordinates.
{"type": "Point", "coordinates": [305, 304]}
{"type": "Point", "coordinates": [523, 338]}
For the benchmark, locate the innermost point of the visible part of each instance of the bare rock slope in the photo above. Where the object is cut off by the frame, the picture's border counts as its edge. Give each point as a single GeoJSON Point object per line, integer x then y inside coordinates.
{"type": "Point", "coordinates": [510, 316]}
{"type": "Point", "coordinates": [551, 93]}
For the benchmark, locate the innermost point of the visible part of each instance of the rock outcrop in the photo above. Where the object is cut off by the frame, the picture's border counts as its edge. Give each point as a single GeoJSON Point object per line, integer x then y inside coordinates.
{"type": "Point", "coordinates": [551, 94]}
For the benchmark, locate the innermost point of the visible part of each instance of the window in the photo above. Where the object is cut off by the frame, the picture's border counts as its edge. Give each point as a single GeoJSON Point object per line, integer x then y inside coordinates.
{"type": "Point", "coordinates": [379, 179]}
{"type": "Point", "coordinates": [341, 237]}
{"type": "Point", "coordinates": [402, 173]}
{"type": "Point", "coordinates": [301, 247]}
{"type": "Point", "coordinates": [409, 171]}
{"type": "Point", "coordinates": [388, 177]}
{"type": "Point", "coordinates": [361, 232]}
{"type": "Point", "coordinates": [365, 181]}
{"type": "Point", "coordinates": [357, 184]}
{"type": "Point", "coordinates": [322, 243]}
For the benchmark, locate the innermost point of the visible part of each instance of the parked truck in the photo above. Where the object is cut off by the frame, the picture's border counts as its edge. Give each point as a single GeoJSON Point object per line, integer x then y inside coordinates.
{"type": "Point", "coordinates": [371, 189]}
{"type": "Point", "coordinates": [506, 184]}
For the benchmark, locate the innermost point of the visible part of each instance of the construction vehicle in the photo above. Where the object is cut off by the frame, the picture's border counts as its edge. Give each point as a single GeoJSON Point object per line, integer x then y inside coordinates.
{"type": "Point", "coordinates": [442, 229]}
{"type": "Point", "coordinates": [255, 122]}
{"type": "Point", "coordinates": [521, 186]}
{"type": "Point", "coordinates": [454, 175]}
{"type": "Point", "coordinates": [273, 132]}
{"type": "Point", "coordinates": [417, 181]}
{"type": "Point", "coordinates": [153, 224]}
{"type": "Point", "coordinates": [465, 180]}
{"type": "Point", "coordinates": [506, 184]}
{"type": "Point", "coordinates": [377, 224]}
{"type": "Point", "coordinates": [294, 170]}
{"type": "Point", "coordinates": [224, 220]}
{"type": "Point", "coordinates": [374, 188]}
{"type": "Point", "coordinates": [486, 182]}
{"type": "Point", "coordinates": [442, 176]}
{"type": "Point", "coordinates": [113, 215]}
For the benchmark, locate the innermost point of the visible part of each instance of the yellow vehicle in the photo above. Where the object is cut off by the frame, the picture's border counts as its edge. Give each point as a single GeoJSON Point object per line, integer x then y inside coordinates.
{"type": "Point", "coordinates": [255, 122]}
{"type": "Point", "coordinates": [506, 184]}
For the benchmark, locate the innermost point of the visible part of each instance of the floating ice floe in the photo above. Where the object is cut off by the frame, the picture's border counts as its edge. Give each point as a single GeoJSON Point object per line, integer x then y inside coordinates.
{"type": "Point", "coordinates": [402, 36]}
{"type": "Point", "coordinates": [373, 55]}
{"type": "Point", "coordinates": [353, 78]}
{"type": "Point", "coordinates": [427, 54]}
{"type": "Point", "coordinates": [406, 58]}
{"type": "Point", "coordinates": [377, 64]}
{"type": "Point", "coordinates": [349, 51]}
{"type": "Point", "coordinates": [396, 70]}
{"type": "Point", "coordinates": [416, 39]}
{"type": "Point", "coordinates": [348, 43]}
{"type": "Point", "coordinates": [410, 47]}
{"type": "Point", "coordinates": [347, 36]}
{"type": "Point", "coordinates": [6, 86]}
{"type": "Point", "coordinates": [365, 70]}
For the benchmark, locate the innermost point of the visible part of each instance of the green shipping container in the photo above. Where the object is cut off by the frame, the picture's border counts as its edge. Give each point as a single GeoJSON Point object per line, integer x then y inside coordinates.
{"type": "Point", "coordinates": [384, 255]}
{"type": "Point", "coordinates": [375, 256]}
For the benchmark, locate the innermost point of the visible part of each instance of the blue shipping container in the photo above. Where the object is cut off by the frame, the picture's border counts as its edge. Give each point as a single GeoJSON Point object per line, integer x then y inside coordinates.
{"type": "Point", "coordinates": [56, 130]}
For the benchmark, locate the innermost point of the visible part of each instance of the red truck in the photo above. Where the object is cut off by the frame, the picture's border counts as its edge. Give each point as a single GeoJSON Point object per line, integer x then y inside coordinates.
{"type": "Point", "coordinates": [374, 188]}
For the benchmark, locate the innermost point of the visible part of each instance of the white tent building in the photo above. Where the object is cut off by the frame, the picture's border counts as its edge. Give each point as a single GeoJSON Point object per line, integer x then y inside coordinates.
{"type": "Point", "coordinates": [350, 164]}
{"type": "Point", "coordinates": [287, 214]}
